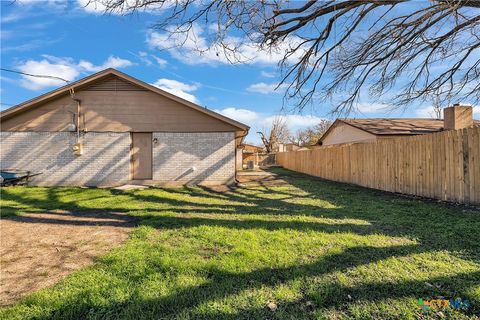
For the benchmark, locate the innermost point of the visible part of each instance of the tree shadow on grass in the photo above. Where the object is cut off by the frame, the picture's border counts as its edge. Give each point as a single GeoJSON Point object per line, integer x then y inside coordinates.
{"type": "Point", "coordinates": [340, 297]}
{"type": "Point", "coordinates": [222, 284]}
{"type": "Point", "coordinates": [105, 219]}
{"type": "Point", "coordinates": [434, 226]}
{"type": "Point", "coordinates": [53, 201]}
{"type": "Point", "coordinates": [438, 226]}
{"type": "Point", "coordinates": [188, 221]}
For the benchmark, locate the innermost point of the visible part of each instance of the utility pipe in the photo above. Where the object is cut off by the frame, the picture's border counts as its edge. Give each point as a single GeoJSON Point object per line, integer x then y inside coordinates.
{"type": "Point", "coordinates": [78, 117]}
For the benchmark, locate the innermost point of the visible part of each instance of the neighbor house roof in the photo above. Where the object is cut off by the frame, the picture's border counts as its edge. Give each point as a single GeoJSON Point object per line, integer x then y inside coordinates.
{"type": "Point", "coordinates": [252, 145]}
{"type": "Point", "coordinates": [251, 148]}
{"type": "Point", "coordinates": [382, 126]}
{"type": "Point", "coordinates": [397, 126]}
{"type": "Point", "coordinates": [82, 83]}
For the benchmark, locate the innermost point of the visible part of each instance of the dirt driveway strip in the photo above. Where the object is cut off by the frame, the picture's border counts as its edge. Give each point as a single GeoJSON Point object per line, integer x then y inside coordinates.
{"type": "Point", "coordinates": [38, 250]}
{"type": "Point", "coordinates": [258, 177]}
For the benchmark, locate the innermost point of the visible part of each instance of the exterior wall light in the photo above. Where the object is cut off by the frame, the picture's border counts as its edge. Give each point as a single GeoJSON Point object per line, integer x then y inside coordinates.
{"type": "Point", "coordinates": [71, 127]}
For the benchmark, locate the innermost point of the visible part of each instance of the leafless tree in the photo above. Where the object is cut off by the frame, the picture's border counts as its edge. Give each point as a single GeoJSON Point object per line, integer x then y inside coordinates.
{"type": "Point", "coordinates": [277, 133]}
{"type": "Point", "coordinates": [309, 136]}
{"type": "Point", "coordinates": [437, 108]}
{"type": "Point", "coordinates": [301, 137]}
{"type": "Point", "coordinates": [322, 127]}
{"type": "Point", "coordinates": [339, 50]}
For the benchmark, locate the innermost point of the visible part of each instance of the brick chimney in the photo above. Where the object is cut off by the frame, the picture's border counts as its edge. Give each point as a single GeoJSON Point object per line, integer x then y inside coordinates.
{"type": "Point", "coordinates": [457, 117]}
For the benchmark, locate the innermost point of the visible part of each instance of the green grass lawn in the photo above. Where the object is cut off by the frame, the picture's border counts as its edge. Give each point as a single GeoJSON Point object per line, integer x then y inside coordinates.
{"type": "Point", "coordinates": [312, 248]}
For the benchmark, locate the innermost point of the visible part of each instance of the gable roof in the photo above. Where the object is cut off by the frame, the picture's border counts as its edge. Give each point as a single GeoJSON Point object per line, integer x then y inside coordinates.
{"type": "Point", "coordinates": [403, 126]}
{"type": "Point", "coordinates": [383, 126]}
{"type": "Point", "coordinates": [89, 80]}
{"type": "Point", "coordinates": [252, 145]}
{"type": "Point", "coordinates": [249, 148]}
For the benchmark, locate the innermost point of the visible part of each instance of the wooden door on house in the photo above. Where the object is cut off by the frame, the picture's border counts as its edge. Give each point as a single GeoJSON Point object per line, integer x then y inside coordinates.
{"type": "Point", "coordinates": [141, 155]}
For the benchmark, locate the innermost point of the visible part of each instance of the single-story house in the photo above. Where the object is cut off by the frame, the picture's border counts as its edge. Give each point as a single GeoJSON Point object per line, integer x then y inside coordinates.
{"type": "Point", "coordinates": [369, 130]}
{"type": "Point", "coordinates": [110, 129]}
{"type": "Point", "coordinates": [251, 152]}
{"type": "Point", "coordinates": [287, 147]}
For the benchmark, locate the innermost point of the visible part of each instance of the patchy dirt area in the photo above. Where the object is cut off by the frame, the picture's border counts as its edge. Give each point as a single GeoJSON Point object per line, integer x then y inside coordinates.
{"type": "Point", "coordinates": [38, 250]}
{"type": "Point", "coordinates": [258, 177]}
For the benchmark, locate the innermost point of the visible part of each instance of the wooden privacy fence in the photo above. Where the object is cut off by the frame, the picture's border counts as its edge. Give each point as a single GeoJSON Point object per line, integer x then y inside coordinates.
{"type": "Point", "coordinates": [444, 165]}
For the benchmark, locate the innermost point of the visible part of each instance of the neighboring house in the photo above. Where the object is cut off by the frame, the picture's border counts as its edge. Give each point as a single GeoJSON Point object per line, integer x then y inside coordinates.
{"type": "Point", "coordinates": [369, 130]}
{"type": "Point", "coordinates": [251, 148]}
{"type": "Point", "coordinates": [110, 129]}
{"type": "Point", "coordinates": [250, 153]}
{"type": "Point", "coordinates": [303, 149]}
{"type": "Point", "coordinates": [287, 147]}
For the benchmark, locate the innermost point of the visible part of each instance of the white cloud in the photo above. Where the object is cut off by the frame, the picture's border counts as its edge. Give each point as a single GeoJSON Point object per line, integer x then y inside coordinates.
{"type": "Point", "coordinates": [177, 88]}
{"type": "Point", "coordinates": [294, 121]}
{"type": "Point", "coordinates": [267, 74]}
{"type": "Point", "coordinates": [161, 62]}
{"type": "Point", "coordinates": [192, 47]}
{"type": "Point", "coordinates": [65, 68]}
{"type": "Point", "coordinates": [13, 17]}
{"type": "Point", "coordinates": [428, 112]}
{"type": "Point", "coordinates": [371, 107]}
{"type": "Point", "coordinates": [89, 6]}
{"type": "Point", "coordinates": [242, 115]}
{"type": "Point", "coordinates": [111, 62]}
{"type": "Point", "coordinates": [143, 56]}
{"type": "Point", "coordinates": [29, 45]}
{"type": "Point", "coordinates": [99, 7]}
{"type": "Point", "coordinates": [258, 121]}
{"type": "Point", "coordinates": [191, 41]}
{"type": "Point", "coordinates": [146, 58]}
{"type": "Point", "coordinates": [265, 88]}
{"type": "Point", "coordinates": [59, 4]}
{"type": "Point", "coordinates": [253, 118]}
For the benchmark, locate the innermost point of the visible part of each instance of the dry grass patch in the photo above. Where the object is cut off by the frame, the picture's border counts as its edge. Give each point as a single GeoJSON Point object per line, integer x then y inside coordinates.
{"type": "Point", "coordinates": [37, 250]}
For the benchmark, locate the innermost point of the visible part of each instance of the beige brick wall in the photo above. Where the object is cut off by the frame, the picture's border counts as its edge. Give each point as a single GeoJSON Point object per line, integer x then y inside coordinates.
{"type": "Point", "coordinates": [178, 158]}
{"type": "Point", "coordinates": [105, 159]}
{"type": "Point", "coordinates": [194, 158]}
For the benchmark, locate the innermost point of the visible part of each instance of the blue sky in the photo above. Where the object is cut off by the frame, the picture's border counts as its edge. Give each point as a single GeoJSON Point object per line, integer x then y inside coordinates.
{"type": "Point", "coordinates": [65, 39]}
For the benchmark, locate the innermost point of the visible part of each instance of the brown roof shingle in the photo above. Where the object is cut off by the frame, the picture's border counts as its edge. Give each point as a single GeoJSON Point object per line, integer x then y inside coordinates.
{"type": "Point", "coordinates": [403, 126]}
{"type": "Point", "coordinates": [393, 126]}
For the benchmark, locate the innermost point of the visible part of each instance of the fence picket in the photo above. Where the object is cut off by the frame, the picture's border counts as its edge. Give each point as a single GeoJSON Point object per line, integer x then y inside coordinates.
{"type": "Point", "coordinates": [444, 165]}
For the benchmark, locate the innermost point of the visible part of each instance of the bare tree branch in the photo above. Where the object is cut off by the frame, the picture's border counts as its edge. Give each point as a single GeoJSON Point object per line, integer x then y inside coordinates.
{"type": "Point", "coordinates": [309, 136]}
{"type": "Point", "coordinates": [340, 50]}
{"type": "Point", "coordinates": [277, 133]}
